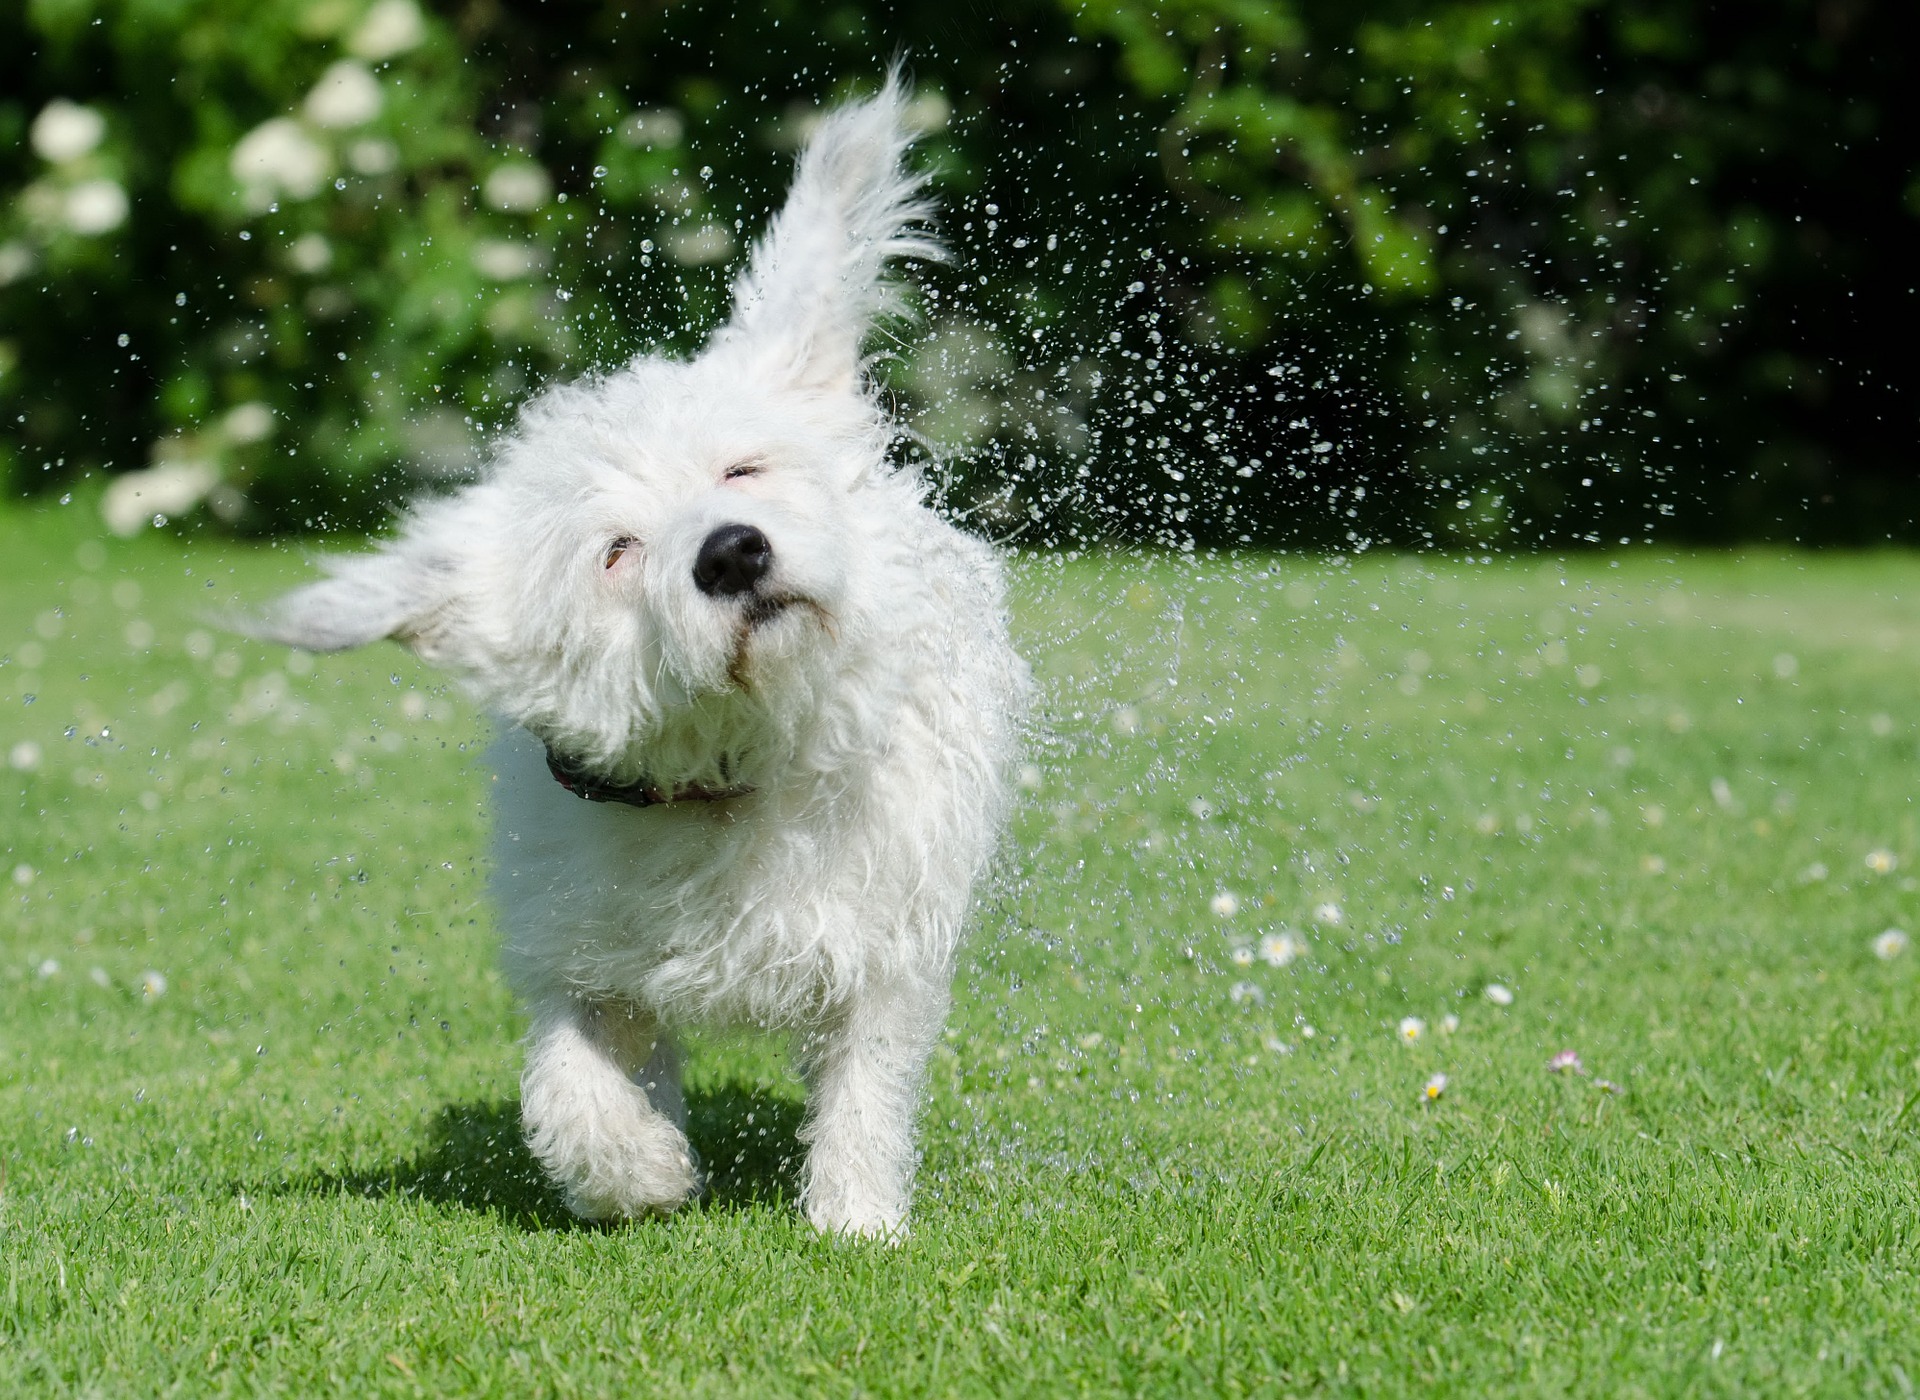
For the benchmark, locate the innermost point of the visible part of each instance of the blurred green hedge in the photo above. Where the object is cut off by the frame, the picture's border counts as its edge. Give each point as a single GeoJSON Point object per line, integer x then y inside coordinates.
{"type": "Point", "coordinates": [1459, 273]}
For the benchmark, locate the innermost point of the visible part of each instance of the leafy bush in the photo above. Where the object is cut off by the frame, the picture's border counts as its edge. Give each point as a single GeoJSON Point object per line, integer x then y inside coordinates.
{"type": "Point", "coordinates": [1604, 270]}
{"type": "Point", "coordinates": [1459, 273]}
{"type": "Point", "coordinates": [328, 267]}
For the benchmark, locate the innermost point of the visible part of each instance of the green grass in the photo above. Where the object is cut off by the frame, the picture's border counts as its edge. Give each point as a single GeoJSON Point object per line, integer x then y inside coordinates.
{"type": "Point", "coordinates": [1646, 793]}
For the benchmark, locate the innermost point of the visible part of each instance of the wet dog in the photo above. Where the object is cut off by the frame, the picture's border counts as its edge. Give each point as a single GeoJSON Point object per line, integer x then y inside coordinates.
{"type": "Point", "coordinates": [756, 700]}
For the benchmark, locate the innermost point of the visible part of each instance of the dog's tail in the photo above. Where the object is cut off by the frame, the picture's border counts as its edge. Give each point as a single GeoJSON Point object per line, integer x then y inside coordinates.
{"type": "Point", "coordinates": [815, 283]}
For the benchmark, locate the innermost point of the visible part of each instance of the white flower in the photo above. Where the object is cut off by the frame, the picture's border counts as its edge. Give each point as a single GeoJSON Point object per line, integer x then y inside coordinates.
{"type": "Point", "coordinates": [709, 243]}
{"type": "Point", "coordinates": [1279, 949]}
{"type": "Point", "coordinates": [1435, 1086]}
{"type": "Point", "coordinates": [346, 95]}
{"type": "Point", "coordinates": [1890, 945]}
{"type": "Point", "coordinates": [153, 984]}
{"type": "Point", "coordinates": [278, 157]}
{"type": "Point", "coordinates": [49, 968]}
{"type": "Point", "coordinates": [1029, 777]}
{"type": "Point", "coordinates": [1449, 1023]}
{"type": "Point", "coordinates": [95, 207]}
{"type": "Point", "coordinates": [927, 112]}
{"type": "Point", "coordinates": [248, 422]}
{"type": "Point", "coordinates": [1242, 956]}
{"type": "Point", "coordinates": [1499, 995]}
{"type": "Point", "coordinates": [64, 131]}
{"type": "Point", "coordinates": [168, 488]}
{"type": "Point", "coordinates": [16, 261]}
{"type": "Point", "coordinates": [372, 156]}
{"type": "Point", "coordinates": [391, 27]}
{"type": "Point", "coordinates": [660, 127]}
{"type": "Point", "coordinates": [23, 874]}
{"type": "Point", "coordinates": [1882, 861]}
{"type": "Point", "coordinates": [1328, 913]}
{"type": "Point", "coordinates": [1412, 1028]}
{"type": "Point", "coordinates": [504, 260]}
{"type": "Point", "coordinates": [518, 188]}
{"type": "Point", "coordinates": [1242, 993]}
{"type": "Point", "coordinates": [310, 253]}
{"type": "Point", "coordinates": [1226, 904]}
{"type": "Point", "coordinates": [25, 756]}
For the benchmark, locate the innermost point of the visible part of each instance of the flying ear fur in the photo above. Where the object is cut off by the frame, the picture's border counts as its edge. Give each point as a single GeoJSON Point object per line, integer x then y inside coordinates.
{"type": "Point", "coordinates": [814, 284]}
{"type": "Point", "coordinates": [408, 588]}
{"type": "Point", "coordinates": [365, 598]}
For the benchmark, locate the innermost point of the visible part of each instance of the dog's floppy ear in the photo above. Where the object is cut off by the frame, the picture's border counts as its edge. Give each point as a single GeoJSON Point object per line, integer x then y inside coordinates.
{"type": "Point", "coordinates": [408, 588]}
{"type": "Point", "coordinates": [814, 284]}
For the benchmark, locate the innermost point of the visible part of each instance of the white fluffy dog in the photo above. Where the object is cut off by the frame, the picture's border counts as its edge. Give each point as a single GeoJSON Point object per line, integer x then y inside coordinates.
{"type": "Point", "coordinates": [757, 705]}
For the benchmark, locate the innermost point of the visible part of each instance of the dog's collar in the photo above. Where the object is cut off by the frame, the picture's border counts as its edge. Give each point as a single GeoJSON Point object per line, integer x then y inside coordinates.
{"type": "Point", "coordinates": [642, 793]}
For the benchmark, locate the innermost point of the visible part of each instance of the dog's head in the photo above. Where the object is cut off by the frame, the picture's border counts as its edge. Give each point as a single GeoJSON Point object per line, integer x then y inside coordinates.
{"type": "Point", "coordinates": [662, 564]}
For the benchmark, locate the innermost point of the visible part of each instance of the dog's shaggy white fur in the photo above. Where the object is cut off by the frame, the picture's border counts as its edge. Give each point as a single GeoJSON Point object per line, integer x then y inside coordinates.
{"type": "Point", "coordinates": [701, 587]}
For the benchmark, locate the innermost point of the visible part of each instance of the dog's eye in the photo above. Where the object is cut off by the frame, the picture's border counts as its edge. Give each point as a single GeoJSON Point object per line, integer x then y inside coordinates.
{"type": "Point", "coordinates": [743, 469]}
{"type": "Point", "coordinates": [618, 548]}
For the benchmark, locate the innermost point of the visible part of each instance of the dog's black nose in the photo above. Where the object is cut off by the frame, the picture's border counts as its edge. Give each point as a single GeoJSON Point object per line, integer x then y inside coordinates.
{"type": "Point", "coordinates": [732, 560]}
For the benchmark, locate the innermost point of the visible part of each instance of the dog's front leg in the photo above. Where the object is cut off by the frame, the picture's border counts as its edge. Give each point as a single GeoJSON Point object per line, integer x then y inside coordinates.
{"type": "Point", "coordinates": [615, 1147]}
{"type": "Point", "coordinates": [864, 1075]}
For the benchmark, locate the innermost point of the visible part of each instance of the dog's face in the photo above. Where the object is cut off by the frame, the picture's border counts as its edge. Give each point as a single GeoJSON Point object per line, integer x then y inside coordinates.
{"type": "Point", "coordinates": [663, 565]}
{"type": "Point", "coordinates": [715, 542]}
{"type": "Point", "coordinates": [659, 568]}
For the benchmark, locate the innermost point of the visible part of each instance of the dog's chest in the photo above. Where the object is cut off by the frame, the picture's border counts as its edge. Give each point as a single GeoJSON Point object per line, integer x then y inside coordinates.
{"type": "Point", "coordinates": [753, 909]}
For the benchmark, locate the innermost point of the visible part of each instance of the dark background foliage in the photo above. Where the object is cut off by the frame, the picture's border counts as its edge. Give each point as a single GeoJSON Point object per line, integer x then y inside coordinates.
{"type": "Point", "coordinates": [1467, 274]}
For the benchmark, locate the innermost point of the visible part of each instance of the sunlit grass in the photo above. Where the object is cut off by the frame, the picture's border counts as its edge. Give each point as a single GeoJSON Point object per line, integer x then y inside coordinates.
{"type": "Point", "coordinates": [260, 1072]}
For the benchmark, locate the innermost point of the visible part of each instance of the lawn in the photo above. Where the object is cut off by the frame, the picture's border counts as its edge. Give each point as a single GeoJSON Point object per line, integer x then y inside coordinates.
{"type": "Point", "coordinates": [260, 1073]}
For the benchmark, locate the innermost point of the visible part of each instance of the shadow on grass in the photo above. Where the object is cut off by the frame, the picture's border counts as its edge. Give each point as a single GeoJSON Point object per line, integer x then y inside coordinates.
{"type": "Point", "coordinates": [476, 1158]}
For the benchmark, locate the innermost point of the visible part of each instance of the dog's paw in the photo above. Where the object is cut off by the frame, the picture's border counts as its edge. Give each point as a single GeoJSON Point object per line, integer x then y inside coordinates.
{"type": "Point", "coordinates": [614, 1165]}
{"type": "Point", "coordinates": [630, 1182]}
{"type": "Point", "coordinates": [866, 1221]}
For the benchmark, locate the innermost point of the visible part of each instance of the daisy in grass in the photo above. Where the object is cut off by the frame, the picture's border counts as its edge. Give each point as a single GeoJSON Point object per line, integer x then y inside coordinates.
{"type": "Point", "coordinates": [1281, 948]}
